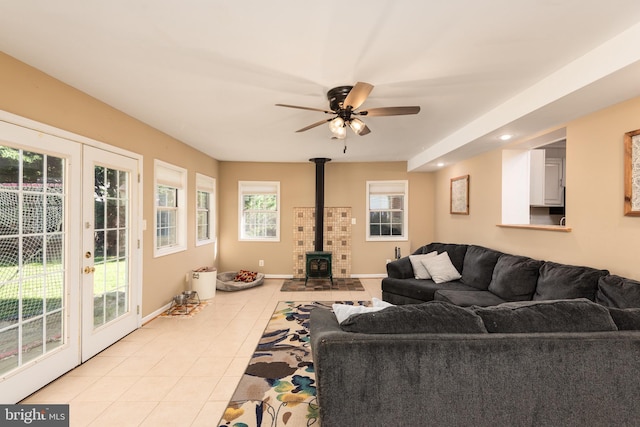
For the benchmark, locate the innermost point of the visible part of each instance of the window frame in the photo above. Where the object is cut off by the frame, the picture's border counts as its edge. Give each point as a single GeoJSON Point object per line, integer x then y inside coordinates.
{"type": "Point", "coordinates": [206, 184]}
{"type": "Point", "coordinates": [258, 187]}
{"type": "Point", "coordinates": [388, 187]}
{"type": "Point", "coordinates": [168, 175]}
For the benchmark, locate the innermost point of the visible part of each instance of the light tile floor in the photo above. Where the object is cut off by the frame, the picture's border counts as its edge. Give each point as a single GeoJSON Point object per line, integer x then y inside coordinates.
{"type": "Point", "coordinates": [178, 371]}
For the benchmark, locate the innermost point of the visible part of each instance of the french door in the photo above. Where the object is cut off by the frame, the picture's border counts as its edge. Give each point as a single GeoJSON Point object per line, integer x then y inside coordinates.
{"type": "Point", "coordinates": [109, 301]}
{"type": "Point", "coordinates": [61, 302]}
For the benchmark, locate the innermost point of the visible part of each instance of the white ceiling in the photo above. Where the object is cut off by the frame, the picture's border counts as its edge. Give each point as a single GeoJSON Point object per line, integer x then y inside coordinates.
{"type": "Point", "coordinates": [209, 72]}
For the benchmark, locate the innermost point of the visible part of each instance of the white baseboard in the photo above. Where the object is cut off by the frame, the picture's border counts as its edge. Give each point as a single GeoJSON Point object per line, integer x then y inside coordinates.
{"type": "Point", "coordinates": [155, 314]}
{"type": "Point", "coordinates": [278, 276]}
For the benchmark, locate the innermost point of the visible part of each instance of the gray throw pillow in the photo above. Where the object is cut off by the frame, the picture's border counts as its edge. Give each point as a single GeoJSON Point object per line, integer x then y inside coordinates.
{"type": "Point", "coordinates": [580, 315]}
{"type": "Point", "coordinates": [456, 252]}
{"type": "Point", "coordinates": [435, 317]}
{"type": "Point", "coordinates": [626, 319]}
{"type": "Point", "coordinates": [478, 266]}
{"type": "Point", "coordinates": [562, 281]}
{"type": "Point", "coordinates": [515, 277]}
{"type": "Point", "coordinates": [618, 292]}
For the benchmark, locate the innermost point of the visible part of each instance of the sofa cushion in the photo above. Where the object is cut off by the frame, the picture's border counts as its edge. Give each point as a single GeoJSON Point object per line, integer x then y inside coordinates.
{"type": "Point", "coordinates": [440, 268]}
{"type": "Point", "coordinates": [419, 270]}
{"type": "Point", "coordinates": [400, 269]}
{"type": "Point", "coordinates": [515, 277]}
{"type": "Point", "coordinates": [478, 265]}
{"type": "Point", "coordinates": [626, 319]}
{"type": "Point", "coordinates": [430, 317]}
{"type": "Point", "coordinates": [468, 298]}
{"type": "Point", "coordinates": [416, 290]}
{"type": "Point", "coordinates": [576, 315]}
{"type": "Point", "coordinates": [618, 292]}
{"type": "Point", "coordinates": [456, 252]}
{"type": "Point", "coordinates": [562, 281]}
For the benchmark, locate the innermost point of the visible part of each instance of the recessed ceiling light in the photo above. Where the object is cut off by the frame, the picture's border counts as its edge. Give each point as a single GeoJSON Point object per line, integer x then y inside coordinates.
{"type": "Point", "coordinates": [506, 137]}
{"type": "Point", "coordinates": [440, 164]}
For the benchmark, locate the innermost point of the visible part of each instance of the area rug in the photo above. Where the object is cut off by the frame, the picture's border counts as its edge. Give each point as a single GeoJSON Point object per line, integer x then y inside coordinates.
{"type": "Point", "coordinates": [339, 284]}
{"type": "Point", "coordinates": [278, 388]}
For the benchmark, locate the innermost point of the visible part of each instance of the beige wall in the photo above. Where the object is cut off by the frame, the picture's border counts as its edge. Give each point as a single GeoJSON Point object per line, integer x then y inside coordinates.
{"type": "Point", "coordinates": [29, 93]}
{"type": "Point", "coordinates": [601, 235]}
{"type": "Point", "coordinates": [345, 186]}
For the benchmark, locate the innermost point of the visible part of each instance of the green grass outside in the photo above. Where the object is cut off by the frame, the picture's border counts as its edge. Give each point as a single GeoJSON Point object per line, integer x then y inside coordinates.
{"type": "Point", "coordinates": [32, 295]}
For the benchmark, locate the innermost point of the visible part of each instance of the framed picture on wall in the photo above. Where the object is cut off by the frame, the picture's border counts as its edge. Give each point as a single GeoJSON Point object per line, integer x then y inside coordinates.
{"type": "Point", "coordinates": [459, 195]}
{"type": "Point", "coordinates": [632, 173]}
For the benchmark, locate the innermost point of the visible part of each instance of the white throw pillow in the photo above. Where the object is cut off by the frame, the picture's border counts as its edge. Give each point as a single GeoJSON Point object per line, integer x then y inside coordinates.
{"type": "Point", "coordinates": [419, 270]}
{"type": "Point", "coordinates": [440, 268]}
{"type": "Point", "coordinates": [379, 303]}
{"type": "Point", "coordinates": [344, 311]}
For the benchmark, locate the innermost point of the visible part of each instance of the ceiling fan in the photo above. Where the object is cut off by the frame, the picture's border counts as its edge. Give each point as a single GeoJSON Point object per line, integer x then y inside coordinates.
{"type": "Point", "coordinates": [343, 103]}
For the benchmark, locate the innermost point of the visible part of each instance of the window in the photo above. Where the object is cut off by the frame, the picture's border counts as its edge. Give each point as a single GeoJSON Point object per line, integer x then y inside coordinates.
{"type": "Point", "coordinates": [170, 212]}
{"type": "Point", "coordinates": [205, 211]}
{"type": "Point", "coordinates": [533, 181]}
{"type": "Point", "coordinates": [259, 209]}
{"type": "Point", "coordinates": [387, 203]}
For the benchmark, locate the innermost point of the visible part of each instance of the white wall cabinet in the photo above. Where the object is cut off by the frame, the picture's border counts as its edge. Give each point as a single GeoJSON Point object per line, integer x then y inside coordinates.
{"type": "Point", "coordinates": [546, 179]}
{"type": "Point", "coordinates": [553, 182]}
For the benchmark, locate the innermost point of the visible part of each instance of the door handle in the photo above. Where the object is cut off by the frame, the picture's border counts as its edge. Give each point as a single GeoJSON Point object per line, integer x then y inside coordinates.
{"type": "Point", "coordinates": [89, 270]}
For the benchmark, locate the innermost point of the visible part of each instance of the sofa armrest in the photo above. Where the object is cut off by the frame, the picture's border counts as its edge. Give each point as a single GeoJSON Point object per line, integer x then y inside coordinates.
{"type": "Point", "coordinates": [400, 269]}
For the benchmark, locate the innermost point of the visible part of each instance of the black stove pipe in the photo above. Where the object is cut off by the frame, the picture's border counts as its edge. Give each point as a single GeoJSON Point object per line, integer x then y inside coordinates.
{"type": "Point", "coordinates": [319, 237]}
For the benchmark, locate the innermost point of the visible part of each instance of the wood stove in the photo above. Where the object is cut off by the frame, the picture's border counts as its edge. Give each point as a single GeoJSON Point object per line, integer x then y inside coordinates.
{"type": "Point", "coordinates": [318, 262]}
{"type": "Point", "coordinates": [318, 265]}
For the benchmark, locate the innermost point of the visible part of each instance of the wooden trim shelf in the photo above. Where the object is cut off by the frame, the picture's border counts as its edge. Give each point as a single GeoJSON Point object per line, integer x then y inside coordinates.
{"type": "Point", "coordinates": [558, 228]}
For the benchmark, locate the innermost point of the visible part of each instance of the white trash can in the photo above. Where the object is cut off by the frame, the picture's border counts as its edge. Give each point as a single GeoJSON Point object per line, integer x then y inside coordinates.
{"type": "Point", "coordinates": [203, 281]}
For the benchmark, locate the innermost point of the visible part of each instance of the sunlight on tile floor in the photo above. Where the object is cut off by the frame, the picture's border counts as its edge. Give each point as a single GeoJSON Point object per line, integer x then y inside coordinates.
{"type": "Point", "coordinates": [178, 371]}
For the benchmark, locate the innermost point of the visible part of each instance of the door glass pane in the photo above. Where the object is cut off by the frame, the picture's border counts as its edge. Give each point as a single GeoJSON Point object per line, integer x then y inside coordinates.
{"type": "Point", "coordinates": [32, 345]}
{"type": "Point", "coordinates": [32, 268]}
{"type": "Point", "coordinates": [111, 234]}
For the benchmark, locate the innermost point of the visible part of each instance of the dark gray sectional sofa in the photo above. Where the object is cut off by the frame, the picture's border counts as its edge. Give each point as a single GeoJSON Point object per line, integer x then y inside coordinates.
{"type": "Point", "coordinates": [490, 277]}
{"type": "Point", "coordinates": [513, 342]}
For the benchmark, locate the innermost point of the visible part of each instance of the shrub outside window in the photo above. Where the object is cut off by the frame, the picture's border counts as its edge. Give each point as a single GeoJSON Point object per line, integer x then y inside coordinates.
{"type": "Point", "coordinates": [387, 203]}
{"type": "Point", "coordinates": [259, 207]}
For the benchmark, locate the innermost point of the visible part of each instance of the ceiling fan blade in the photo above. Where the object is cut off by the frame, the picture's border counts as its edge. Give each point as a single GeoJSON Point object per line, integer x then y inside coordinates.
{"type": "Point", "coordinates": [357, 95]}
{"type": "Point", "coordinates": [316, 124]}
{"type": "Point", "coordinates": [365, 130]}
{"type": "Point", "coordinates": [304, 108]}
{"type": "Point", "coordinates": [389, 111]}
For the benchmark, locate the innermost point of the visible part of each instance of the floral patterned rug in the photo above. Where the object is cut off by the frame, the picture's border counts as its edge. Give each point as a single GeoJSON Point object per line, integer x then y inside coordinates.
{"type": "Point", "coordinates": [278, 387]}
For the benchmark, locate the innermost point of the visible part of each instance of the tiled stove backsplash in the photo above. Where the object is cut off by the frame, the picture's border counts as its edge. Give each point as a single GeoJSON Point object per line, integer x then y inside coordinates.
{"type": "Point", "coordinates": [337, 238]}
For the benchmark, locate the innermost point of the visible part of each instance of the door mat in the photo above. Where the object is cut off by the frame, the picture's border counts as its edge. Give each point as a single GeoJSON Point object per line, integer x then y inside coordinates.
{"type": "Point", "coordinates": [185, 311]}
{"type": "Point", "coordinates": [339, 284]}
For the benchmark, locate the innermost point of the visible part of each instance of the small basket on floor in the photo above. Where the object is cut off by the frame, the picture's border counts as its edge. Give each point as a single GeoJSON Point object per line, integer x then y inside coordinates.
{"type": "Point", "coordinates": [225, 282]}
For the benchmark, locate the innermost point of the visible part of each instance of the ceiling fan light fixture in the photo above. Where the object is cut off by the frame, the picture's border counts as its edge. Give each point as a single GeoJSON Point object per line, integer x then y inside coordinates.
{"type": "Point", "coordinates": [343, 102]}
{"type": "Point", "coordinates": [356, 125]}
{"type": "Point", "coordinates": [336, 124]}
{"type": "Point", "coordinates": [340, 133]}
